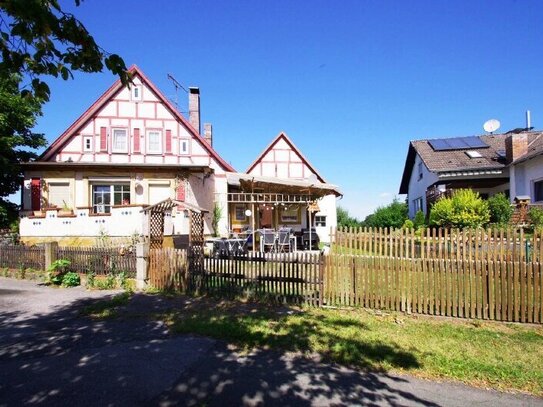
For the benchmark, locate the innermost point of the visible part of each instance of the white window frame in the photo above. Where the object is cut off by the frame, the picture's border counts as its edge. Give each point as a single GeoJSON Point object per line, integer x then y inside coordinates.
{"type": "Point", "coordinates": [135, 89]}
{"type": "Point", "coordinates": [91, 140]}
{"type": "Point", "coordinates": [113, 141]}
{"type": "Point", "coordinates": [186, 142]}
{"type": "Point", "coordinates": [148, 138]}
{"type": "Point", "coordinates": [318, 222]}
{"type": "Point", "coordinates": [106, 207]}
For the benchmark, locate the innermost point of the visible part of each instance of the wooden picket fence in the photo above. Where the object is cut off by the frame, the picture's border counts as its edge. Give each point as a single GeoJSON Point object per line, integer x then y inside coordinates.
{"type": "Point", "coordinates": [168, 269]}
{"type": "Point", "coordinates": [292, 278]}
{"type": "Point", "coordinates": [15, 257]}
{"type": "Point", "coordinates": [482, 289]}
{"type": "Point", "coordinates": [510, 244]}
{"type": "Point", "coordinates": [99, 260]}
{"type": "Point", "coordinates": [279, 277]}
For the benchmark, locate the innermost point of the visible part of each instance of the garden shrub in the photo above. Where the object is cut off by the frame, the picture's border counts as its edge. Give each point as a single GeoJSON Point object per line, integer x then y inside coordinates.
{"type": "Point", "coordinates": [408, 224]}
{"type": "Point", "coordinates": [71, 279]}
{"type": "Point", "coordinates": [419, 220]}
{"type": "Point", "coordinates": [500, 209]}
{"type": "Point", "coordinates": [56, 271]}
{"type": "Point", "coordinates": [465, 209]}
{"type": "Point", "coordinates": [536, 217]}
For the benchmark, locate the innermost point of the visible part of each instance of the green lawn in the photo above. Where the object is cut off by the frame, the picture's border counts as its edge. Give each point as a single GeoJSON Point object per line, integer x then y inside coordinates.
{"type": "Point", "coordinates": [489, 354]}
{"type": "Point", "coordinates": [501, 356]}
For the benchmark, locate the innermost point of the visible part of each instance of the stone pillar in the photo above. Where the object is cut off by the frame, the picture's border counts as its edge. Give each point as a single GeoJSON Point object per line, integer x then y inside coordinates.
{"type": "Point", "coordinates": [50, 253]}
{"type": "Point", "coordinates": [142, 265]}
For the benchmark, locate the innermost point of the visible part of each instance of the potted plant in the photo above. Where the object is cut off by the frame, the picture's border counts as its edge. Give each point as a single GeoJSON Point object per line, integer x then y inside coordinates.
{"type": "Point", "coordinates": [65, 210]}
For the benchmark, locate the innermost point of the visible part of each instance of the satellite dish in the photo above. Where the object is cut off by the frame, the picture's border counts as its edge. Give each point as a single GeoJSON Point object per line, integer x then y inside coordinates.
{"type": "Point", "coordinates": [313, 178]}
{"type": "Point", "coordinates": [491, 125]}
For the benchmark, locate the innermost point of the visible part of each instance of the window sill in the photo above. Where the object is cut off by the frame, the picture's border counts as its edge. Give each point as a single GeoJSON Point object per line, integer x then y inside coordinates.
{"type": "Point", "coordinates": [99, 214]}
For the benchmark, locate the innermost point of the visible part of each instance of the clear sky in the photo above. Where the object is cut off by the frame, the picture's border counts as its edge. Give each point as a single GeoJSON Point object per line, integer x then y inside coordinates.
{"type": "Point", "coordinates": [351, 82]}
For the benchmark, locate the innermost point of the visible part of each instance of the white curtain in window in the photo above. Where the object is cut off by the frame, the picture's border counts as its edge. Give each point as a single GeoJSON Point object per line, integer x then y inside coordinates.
{"type": "Point", "coordinates": [154, 141]}
{"type": "Point", "coordinates": [120, 142]}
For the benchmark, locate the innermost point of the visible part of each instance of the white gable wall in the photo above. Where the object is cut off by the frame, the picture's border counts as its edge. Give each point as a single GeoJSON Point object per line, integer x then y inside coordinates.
{"type": "Point", "coordinates": [143, 116]}
{"type": "Point", "coordinates": [282, 161]}
{"type": "Point", "coordinates": [418, 187]}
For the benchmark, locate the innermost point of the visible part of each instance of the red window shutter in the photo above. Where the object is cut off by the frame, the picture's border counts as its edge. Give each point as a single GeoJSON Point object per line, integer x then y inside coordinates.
{"type": "Point", "coordinates": [168, 141]}
{"type": "Point", "coordinates": [136, 140]}
{"type": "Point", "coordinates": [181, 192]}
{"type": "Point", "coordinates": [103, 139]}
{"type": "Point", "coordinates": [35, 193]}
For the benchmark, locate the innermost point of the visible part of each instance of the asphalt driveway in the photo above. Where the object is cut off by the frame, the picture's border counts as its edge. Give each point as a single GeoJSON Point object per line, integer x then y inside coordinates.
{"type": "Point", "coordinates": [52, 355]}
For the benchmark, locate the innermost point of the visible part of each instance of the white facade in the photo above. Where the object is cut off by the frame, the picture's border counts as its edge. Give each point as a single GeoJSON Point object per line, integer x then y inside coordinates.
{"type": "Point", "coordinates": [523, 177]}
{"type": "Point", "coordinates": [129, 150]}
{"type": "Point", "coordinates": [420, 181]}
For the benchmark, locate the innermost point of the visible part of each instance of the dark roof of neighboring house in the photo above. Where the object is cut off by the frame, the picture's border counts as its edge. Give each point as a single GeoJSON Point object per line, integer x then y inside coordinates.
{"type": "Point", "coordinates": [458, 160]}
{"type": "Point", "coordinates": [454, 160]}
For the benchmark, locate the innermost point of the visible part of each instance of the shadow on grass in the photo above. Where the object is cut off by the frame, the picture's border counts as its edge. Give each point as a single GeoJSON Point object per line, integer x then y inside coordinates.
{"type": "Point", "coordinates": [339, 340]}
{"type": "Point", "coordinates": [63, 357]}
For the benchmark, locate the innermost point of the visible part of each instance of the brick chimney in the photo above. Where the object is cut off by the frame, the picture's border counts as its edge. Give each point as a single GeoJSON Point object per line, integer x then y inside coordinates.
{"type": "Point", "coordinates": [516, 145]}
{"type": "Point", "coordinates": [194, 108]}
{"type": "Point", "coordinates": [208, 133]}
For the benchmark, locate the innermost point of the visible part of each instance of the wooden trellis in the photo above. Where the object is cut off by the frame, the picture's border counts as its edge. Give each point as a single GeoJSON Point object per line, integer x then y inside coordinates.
{"type": "Point", "coordinates": [196, 238]}
{"type": "Point", "coordinates": [156, 229]}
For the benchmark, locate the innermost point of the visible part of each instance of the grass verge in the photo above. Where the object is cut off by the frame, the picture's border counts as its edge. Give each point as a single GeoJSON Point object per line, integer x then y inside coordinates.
{"type": "Point", "coordinates": [499, 356]}
{"type": "Point", "coordinates": [107, 308]}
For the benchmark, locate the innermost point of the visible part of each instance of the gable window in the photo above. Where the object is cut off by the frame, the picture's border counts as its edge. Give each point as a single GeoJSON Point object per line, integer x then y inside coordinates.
{"type": "Point", "coordinates": [420, 171]}
{"type": "Point", "coordinates": [154, 142]}
{"type": "Point", "coordinates": [320, 220]}
{"type": "Point", "coordinates": [87, 143]}
{"type": "Point", "coordinates": [136, 93]}
{"type": "Point", "coordinates": [120, 141]}
{"type": "Point", "coordinates": [183, 146]}
{"type": "Point", "coordinates": [105, 196]}
{"type": "Point", "coordinates": [538, 191]}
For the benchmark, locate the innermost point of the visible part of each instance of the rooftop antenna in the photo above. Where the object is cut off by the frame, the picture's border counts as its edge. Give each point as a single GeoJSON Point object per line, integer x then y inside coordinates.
{"type": "Point", "coordinates": [491, 125]}
{"type": "Point", "coordinates": [176, 85]}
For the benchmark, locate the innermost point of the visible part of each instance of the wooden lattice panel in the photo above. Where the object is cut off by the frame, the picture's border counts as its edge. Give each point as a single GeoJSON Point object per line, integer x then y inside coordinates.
{"type": "Point", "coordinates": [156, 229]}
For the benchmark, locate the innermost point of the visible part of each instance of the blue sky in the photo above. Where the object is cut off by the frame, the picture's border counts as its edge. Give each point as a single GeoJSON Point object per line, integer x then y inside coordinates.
{"type": "Point", "coordinates": [351, 82]}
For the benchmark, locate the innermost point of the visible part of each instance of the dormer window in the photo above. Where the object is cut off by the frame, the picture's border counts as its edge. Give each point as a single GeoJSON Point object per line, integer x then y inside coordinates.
{"type": "Point", "coordinates": [136, 93]}
{"type": "Point", "coordinates": [473, 154]}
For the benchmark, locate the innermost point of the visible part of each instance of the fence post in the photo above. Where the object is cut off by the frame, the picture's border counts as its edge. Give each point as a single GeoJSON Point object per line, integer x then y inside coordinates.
{"type": "Point", "coordinates": [50, 253]}
{"type": "Point", "coordinates": [142, 260]}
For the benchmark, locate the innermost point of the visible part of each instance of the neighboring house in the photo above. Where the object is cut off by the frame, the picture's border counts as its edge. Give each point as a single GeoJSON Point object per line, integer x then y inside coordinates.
{"type": "Point", "coordinates": [131, 149]}
{"type": "Point", "coordinates": [281, 159]}
{"type": "Point", "coordinates": [510, 163]}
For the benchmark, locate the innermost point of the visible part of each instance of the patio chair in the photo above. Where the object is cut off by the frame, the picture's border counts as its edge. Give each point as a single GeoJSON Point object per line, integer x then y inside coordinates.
{"type": "Point", "coordinates": [283, 240]}
{"type": "Point", "coordinates": [268, 239]}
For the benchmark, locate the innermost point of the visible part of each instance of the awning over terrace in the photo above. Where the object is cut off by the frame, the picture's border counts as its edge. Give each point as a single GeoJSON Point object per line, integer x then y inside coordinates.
{"type": "Point", "coordinates": [258, 189]}
{"type": "Point", "coordinates": [169, 203]}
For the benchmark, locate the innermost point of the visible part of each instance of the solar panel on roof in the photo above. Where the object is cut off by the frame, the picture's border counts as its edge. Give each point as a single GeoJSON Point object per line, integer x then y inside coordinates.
{"type": "Point", "coordinates": [459, 143]}
{"type": "Point", "coordinates": [439, 144]}
{"type": "Point", "coordinates": [474, 142]}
